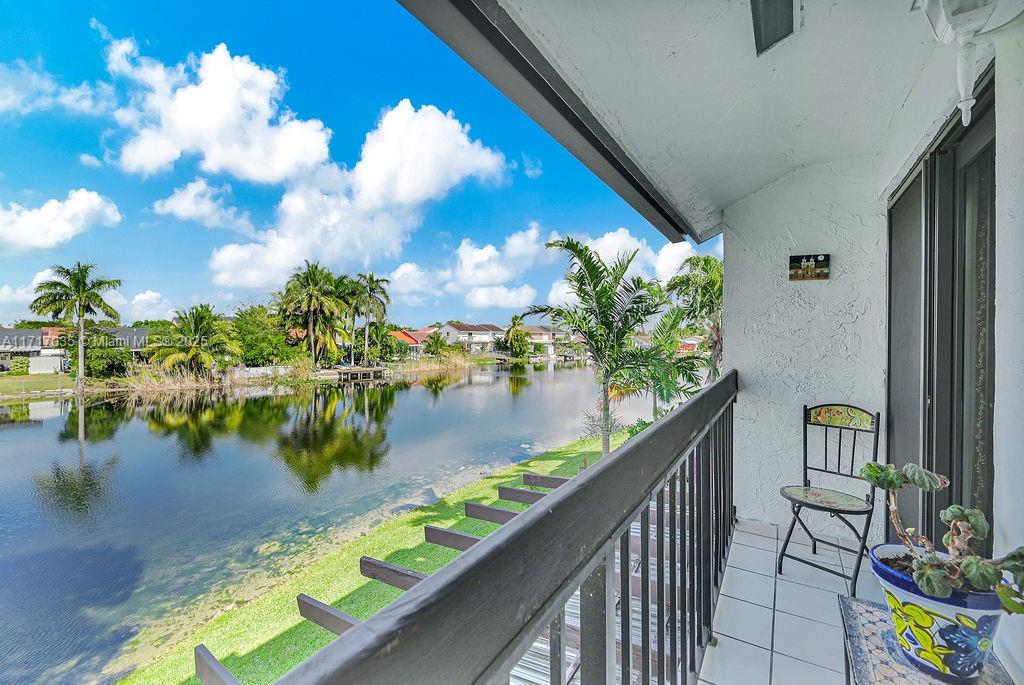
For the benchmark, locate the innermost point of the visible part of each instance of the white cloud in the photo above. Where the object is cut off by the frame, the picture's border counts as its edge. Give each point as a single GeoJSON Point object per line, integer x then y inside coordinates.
{"type": "Point", "coordinates": [201, 202]}
{"type": "Point", "coordinates": [500, 296]}
{"type": "Point", "coordinates": [417, 155]}
{"type": "Point", "coordinates": [561, 295]}
{"type": "Point", "coordinates": [24, 293]}
{"type": "Point", "coordinates": [669, 257]}
{"type": "Point", "coordinates": [26, 88]}
{"type": "Point", "coordinates": [150, 304]}
{"type": "Point", "coordinates": [488, 265]}
{"type": "Point", "coordinates": [352, 218]}
{"type": "Point", "coordinates": [56, 221]}
{"type": "Point", "coordinates": [533, 168]}
{"type": "Point", "coordinates": [89, 160]}
{"type": "Point", "coordinates": [410, 283]}
{"type": "Point", "coordinates": [224, 108]}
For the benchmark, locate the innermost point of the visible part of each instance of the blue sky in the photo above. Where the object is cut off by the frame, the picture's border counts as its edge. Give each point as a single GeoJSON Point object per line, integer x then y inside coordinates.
{"type": "Point", "coordinates": [200, 152]}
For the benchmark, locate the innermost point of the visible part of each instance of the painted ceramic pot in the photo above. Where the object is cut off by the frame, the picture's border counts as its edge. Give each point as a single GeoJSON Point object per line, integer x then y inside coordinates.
{"type": "Point", "coordinates": [950, 637]}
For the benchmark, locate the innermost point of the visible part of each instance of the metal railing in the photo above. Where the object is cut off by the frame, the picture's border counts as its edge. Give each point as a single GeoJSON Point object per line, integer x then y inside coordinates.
{"type": "Point", "coordinates": [619, 567]}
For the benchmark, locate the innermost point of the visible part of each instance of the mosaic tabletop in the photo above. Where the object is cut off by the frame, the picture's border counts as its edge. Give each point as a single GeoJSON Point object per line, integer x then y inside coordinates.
{"type": "Point", "coordinates": [874, 657]}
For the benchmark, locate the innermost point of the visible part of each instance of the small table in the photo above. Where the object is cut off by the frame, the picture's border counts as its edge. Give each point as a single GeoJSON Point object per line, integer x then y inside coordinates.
{"type": "Point", "coordinates": [872, 655]}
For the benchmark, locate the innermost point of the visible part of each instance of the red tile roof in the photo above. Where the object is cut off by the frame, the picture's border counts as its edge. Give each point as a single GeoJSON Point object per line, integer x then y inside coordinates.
{"type": "Point", "coordinates": [405, 336]}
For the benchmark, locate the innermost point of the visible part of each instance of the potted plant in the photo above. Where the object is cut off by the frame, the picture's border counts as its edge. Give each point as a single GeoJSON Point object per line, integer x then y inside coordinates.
{"type": "Point", "coordinates": [945, 606]}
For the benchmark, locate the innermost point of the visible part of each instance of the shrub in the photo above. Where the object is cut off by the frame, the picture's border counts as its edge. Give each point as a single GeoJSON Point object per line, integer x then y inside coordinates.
{"type": "Point", "coordinates": [19, 366]}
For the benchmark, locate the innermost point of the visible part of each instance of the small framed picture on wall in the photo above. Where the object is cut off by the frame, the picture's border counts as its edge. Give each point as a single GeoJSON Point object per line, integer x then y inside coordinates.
{"type": "Point", "coordinates": [809, 267]}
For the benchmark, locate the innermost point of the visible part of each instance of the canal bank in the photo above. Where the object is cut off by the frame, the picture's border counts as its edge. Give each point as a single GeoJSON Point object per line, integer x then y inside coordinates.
{"type": "Point", "coordinates": [264, 637]}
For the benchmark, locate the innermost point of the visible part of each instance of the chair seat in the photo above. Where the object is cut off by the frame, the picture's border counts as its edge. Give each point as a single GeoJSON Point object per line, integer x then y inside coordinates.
{"type": "Point", "coordinates": [825, 499]}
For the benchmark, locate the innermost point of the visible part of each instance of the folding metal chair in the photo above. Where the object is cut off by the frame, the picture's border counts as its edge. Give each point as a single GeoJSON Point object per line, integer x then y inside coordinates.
{"type": "Point", "coordinates": [846, 421]}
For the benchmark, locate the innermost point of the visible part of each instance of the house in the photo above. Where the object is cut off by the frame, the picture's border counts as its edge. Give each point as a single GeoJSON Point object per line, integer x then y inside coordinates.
{"type": "Point", "coordinates": [547, 336]}
{"type": "Point", "coordinates": [410, 339]}
{"type": "Point", "coordinates": [474, 338]}
{"type": "Point", "coordinates": [889, 135]}
{"type": "Point", "coordinates": [45, 347]}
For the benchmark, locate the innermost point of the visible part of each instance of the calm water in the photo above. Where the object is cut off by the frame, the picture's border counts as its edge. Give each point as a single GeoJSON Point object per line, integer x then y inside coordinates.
{"type": "Point", "coordinates": [162, 501]}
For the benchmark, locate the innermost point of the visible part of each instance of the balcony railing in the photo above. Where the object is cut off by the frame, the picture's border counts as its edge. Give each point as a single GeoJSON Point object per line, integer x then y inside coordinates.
{"type": "Point", "coordinates": [613, 577]}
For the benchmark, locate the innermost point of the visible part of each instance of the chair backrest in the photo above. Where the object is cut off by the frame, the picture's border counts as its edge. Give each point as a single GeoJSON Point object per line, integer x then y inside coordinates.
{"type": "Point", "coordinates": [840, 425]}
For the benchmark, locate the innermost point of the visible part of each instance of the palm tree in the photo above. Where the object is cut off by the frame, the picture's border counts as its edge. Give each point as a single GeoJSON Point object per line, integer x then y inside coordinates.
{"type": "Point", "coordinates": [375, 301]}
{"type": "Point", "coordinates": [435, 345]}
{"type": "Point", "coordinates": [310, 296]}
{"type": "Point", "coordinates": [659, 369]}
{"type": "Point", "coordinates": [698, 289]}
{"type": "Point", "coordinates": [517, 340]}
{"type": "Point", "coordinates": [198, 337]}
{"type": "Point", "coordinates": [74, 294]}
{"type": "Point", "coordinates": [611, 308]}
{"type": "Point", "coordinates": [349, 292]}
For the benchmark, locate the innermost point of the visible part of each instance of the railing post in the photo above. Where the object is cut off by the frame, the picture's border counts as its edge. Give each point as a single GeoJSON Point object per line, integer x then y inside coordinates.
{"type": "Point", "coordinates": [597, 622]}
{"type": "Point", "coordinates": [556, 650]}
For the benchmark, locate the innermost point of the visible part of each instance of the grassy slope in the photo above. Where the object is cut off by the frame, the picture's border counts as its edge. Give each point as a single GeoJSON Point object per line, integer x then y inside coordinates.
{"type": "Point", "coordinates": [10, 385]}
{"type": "Point", "coordinates": [264, 638]}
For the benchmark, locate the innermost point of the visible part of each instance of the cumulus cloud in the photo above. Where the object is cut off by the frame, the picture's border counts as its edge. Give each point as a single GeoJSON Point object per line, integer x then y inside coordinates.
{"type": "Point", "coordinates": [410, 283]}
{"type": "Point", "coordinates": [354, 217]}
{"type": "Point", "coordinates": [26, 88]}
{"type": "Point", "coordinates": [489, 265]}
{"type": "Point", "coordinates": [560, 294]}
{"type": "Point", "coordinates": [500, 296]}
{"type": "Point", "coordinates": [24, 293]}
{"type": "Point", "coordinates": [199, 201]}
{"type": "Point", "coordinates": [150, 304]}
{"type": "Point", "coordinates": [223, 108]}
{"type": "Point", "coordinates": [85, 159]}
{"type": "Point", "coordinates": [56, 221]}
{"type": "Point", "coordinates": [669, 257]}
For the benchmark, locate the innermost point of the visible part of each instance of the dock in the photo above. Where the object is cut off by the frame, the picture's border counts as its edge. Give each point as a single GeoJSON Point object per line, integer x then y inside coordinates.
{"type": "Point", "coordinates": [355, 374]}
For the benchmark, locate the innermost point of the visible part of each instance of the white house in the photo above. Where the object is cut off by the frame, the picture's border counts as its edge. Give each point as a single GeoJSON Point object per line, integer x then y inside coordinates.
{"type": "Point", "coordinates": [474, 338]}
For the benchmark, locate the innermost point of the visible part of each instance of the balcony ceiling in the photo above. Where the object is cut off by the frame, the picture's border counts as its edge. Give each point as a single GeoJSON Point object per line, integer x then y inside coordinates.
{"type": "Point", "coordinates": [679, 86]}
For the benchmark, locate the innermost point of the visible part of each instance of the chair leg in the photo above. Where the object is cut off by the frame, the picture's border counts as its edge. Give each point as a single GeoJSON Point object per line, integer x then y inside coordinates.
{"type": "Point", "coordinates": [860, 554]}
{"type": "Point", "coordinates": [785, 545]}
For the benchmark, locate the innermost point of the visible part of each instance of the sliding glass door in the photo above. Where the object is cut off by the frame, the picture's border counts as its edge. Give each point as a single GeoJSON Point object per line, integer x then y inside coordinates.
{"type": "Point", "coordinates": [941, 288]}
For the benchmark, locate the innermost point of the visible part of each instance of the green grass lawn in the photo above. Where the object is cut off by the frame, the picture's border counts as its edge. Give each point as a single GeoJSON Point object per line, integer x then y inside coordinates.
{"type": "Point", "coordinates": [10, 385]}
{"type": "Point", "coordinates": [262, 639]}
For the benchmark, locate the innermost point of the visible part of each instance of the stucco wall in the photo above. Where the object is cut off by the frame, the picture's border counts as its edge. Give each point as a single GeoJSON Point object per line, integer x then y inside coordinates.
{"type": "Point", "coordinates": [797, 343]}
{"type": "Point", "coordinates": [1008, 416]}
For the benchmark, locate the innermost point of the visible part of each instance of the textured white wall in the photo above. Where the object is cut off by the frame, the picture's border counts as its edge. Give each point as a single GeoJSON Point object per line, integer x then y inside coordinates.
{"type": "Point", "coordinates": [1008, 418]}
{"type": "Point", "coordinates": [802, 342]}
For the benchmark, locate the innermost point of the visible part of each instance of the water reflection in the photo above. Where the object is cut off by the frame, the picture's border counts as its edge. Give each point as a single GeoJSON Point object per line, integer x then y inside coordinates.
{"type": "Point", "coordinates": [517, 379]}
{"type": "Point", "coordinates": [337, 430]}
{"type": "Point", "coordinates": [76, 493]}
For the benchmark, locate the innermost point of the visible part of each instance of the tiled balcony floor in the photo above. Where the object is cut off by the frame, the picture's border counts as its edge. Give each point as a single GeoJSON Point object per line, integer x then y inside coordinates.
{"type": "Point", "coordinates": [780, 630]}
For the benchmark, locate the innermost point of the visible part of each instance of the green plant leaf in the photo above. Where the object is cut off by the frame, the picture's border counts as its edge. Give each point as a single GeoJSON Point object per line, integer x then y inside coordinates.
{"type": "Point", "coordinates": [980, 574]}
{"type": "Point", "coordinates": [923, 478]}
{"type": "Point", "coordinates": [978, 522]}
{"type": "Point", "coordinates": [951, 513]}
{"type": "Point", "coordinates": [1013, 600]}
{"type": "Point", "coordinates": [882, 476]}
{"type": "Point", "coordinates": [930, 574]}
{"type": "Point", "coordinates": [1014, 563]}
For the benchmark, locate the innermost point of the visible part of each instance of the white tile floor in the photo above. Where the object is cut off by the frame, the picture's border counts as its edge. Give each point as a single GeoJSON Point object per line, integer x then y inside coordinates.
{"type": "Point", "coordinates": [779, 630]}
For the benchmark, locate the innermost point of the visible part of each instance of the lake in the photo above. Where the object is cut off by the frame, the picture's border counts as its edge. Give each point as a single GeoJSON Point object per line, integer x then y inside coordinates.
{"type": "Point", "coordinates": [131, 512]}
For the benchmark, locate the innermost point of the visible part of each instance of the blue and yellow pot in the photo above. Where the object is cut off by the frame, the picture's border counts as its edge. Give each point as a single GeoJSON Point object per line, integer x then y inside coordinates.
{"type": "Point", "coordinates": [950, 637]}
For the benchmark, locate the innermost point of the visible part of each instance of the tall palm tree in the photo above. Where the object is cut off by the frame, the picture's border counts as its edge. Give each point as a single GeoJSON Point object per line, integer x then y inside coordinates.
{"type": "Point", "coordinates": [310, 296]}
{"type": "Point", "coordinates": [658, 369]}
{"type": "Point", "coordinates": [698, 289]}
{"type": "Point", "coordinates": [198, 336]}
{"type": "Point", "coordinates": [517, 340]}
{"type": "Point", "coordinates": [74, 294]}
{"type": "Point", "coordinates": [349, 292]}
{"type": "Point", "coordinates": [611, 308]}
{"type": "Point", "coordinates": [375, 301]}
